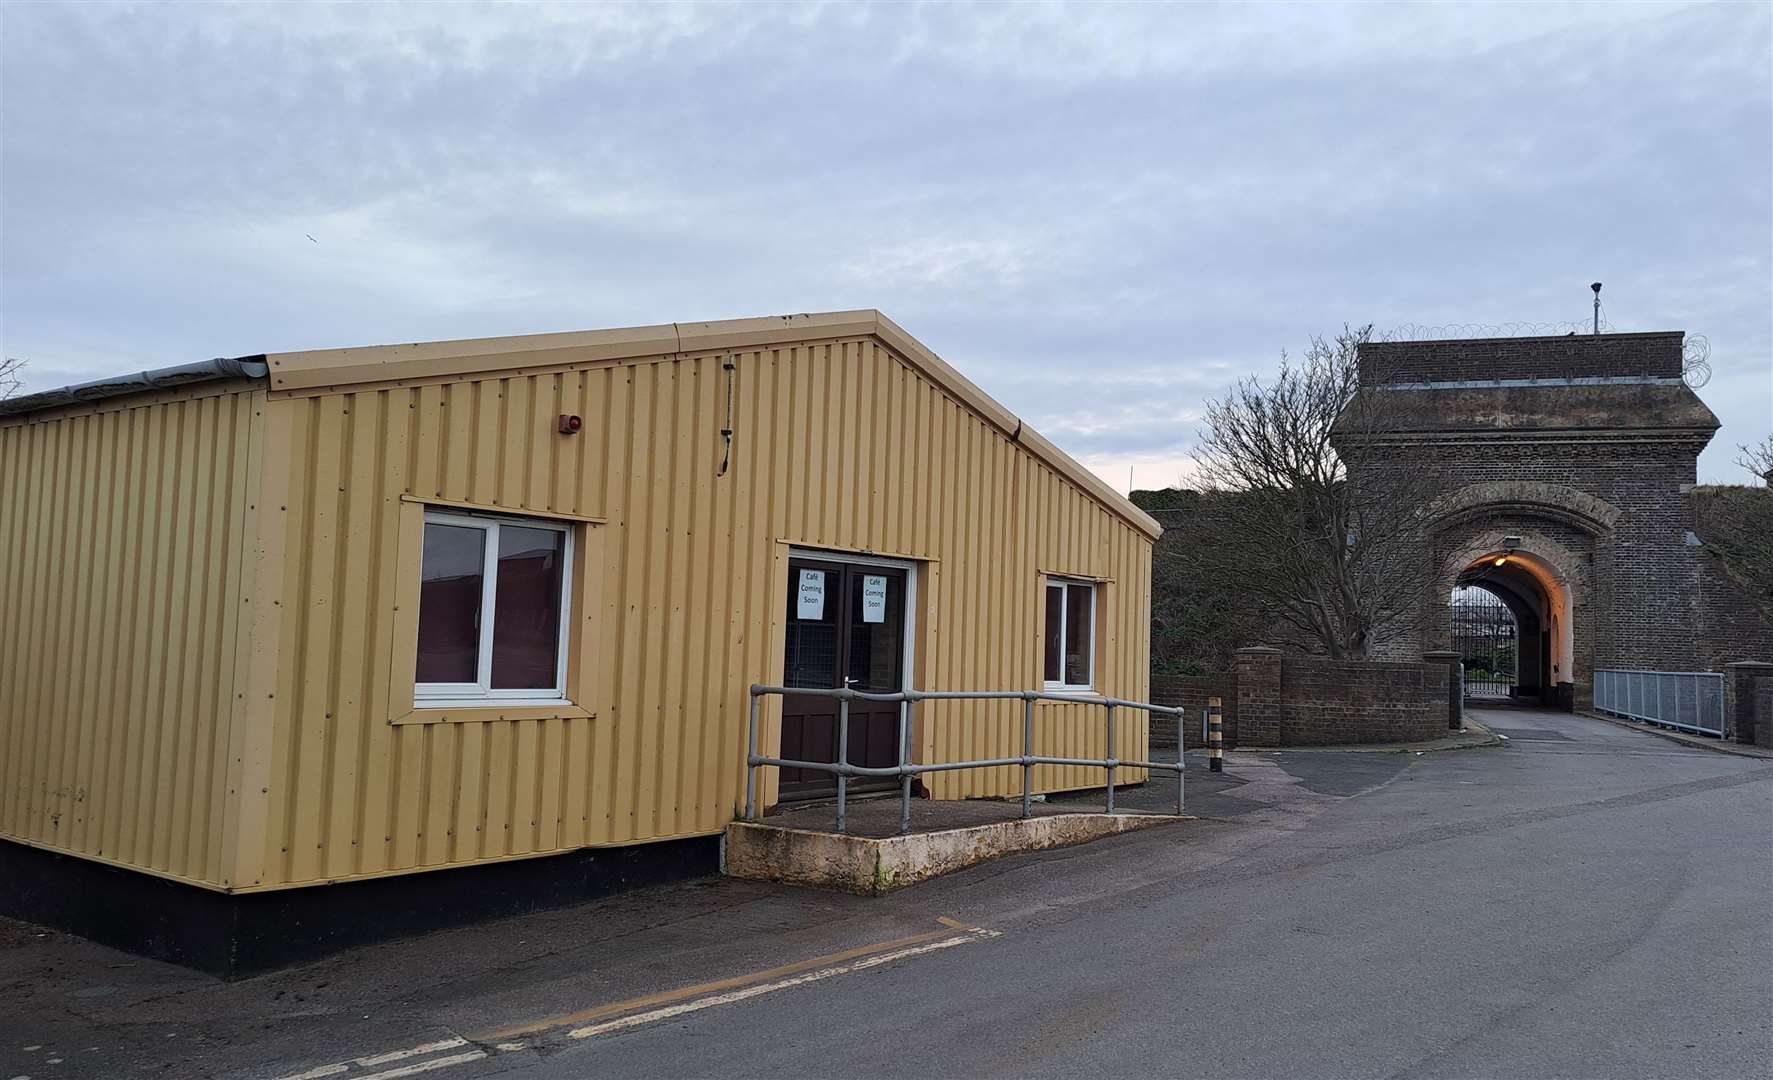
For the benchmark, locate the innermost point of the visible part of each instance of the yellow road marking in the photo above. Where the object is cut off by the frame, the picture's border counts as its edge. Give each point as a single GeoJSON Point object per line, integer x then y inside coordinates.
{"type": "Point", "coordinates": [634, 1020]}
{"type": "Point", "coordinates": [718, 986]}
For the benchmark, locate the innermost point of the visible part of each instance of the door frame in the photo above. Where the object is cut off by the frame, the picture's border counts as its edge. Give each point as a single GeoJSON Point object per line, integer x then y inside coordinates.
{"type": "Point", "coordinates": [921, 570]}
{"type": "Point", "coordinates": [907, 662]}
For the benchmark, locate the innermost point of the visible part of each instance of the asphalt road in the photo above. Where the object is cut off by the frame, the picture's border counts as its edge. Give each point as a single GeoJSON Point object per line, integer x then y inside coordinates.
{"type": "Point", "coordinates": [1586, 901]}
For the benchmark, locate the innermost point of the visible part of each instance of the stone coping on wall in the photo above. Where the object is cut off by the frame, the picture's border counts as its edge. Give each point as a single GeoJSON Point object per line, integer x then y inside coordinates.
{"type": "Point", "coordinates": [1277, 699]}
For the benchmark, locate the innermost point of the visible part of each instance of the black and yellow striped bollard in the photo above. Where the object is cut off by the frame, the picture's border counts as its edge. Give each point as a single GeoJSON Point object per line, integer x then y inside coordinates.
{"type": "Point", "coordinates": [1215, 736]}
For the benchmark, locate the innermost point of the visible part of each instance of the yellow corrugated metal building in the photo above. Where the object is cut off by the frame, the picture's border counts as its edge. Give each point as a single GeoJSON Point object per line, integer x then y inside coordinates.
{"type": "Point", "coordinates": [248, 646]}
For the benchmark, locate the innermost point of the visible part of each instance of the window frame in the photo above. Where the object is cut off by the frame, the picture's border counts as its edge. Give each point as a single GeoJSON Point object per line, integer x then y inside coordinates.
{"type": "Point", "coordinates": [481, 693]}
{"type": "Point", "coordinates": [1063, 585]}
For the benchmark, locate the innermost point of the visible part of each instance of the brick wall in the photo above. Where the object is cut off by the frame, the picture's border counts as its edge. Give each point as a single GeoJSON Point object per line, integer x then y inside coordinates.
{"type": "Point", "coordinates": [1290, 700]}
{"type": "Point", "coordinates": [1577, 356]}
{"type": "Point", "coordinates": [1743, 682]}
{"type": "Point", "coordinates": [1731, 626]}
{"type": "Point", "coordinates": [1764, 713]}
{"type": "Point", "coordinates": [1259, 695]}
{"type": "Point", "coordinates": [1328, 701]}
{"type": "Point", "coordinates": [1191, 693]}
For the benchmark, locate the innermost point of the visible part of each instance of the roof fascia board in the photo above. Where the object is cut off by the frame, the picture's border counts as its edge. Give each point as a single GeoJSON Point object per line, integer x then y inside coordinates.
{"type": "Point", "coordinates": [480, 356]}
{"type": "Point", "coordinates": [474, 356]}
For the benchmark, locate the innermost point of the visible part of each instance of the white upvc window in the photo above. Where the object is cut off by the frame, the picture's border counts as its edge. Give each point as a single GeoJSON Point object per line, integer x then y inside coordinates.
{"type": "Point", "coordinates": [493, 618]}
{"type": "Point", "coordinates": [1070, 635]}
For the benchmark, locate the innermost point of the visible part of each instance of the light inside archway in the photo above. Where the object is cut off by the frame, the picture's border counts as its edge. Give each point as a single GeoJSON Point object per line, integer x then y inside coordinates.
{"type": "Point", "coordinates": [1551, 587]}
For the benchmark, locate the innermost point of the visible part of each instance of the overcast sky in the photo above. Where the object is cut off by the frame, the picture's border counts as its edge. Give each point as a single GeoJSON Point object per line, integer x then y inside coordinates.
{"type": "Point", "coordinates": [1100, 214]}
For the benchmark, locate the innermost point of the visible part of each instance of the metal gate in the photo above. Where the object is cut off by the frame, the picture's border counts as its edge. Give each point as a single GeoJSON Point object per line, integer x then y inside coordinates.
{"type": "Point", "coordinates": [1485, 637]}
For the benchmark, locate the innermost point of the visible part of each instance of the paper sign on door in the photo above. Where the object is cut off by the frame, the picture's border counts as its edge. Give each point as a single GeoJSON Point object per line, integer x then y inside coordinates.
{"type": "Point", "coordinates": [810, 601]}
{"type": "Point", "coordinates": [874, 598]}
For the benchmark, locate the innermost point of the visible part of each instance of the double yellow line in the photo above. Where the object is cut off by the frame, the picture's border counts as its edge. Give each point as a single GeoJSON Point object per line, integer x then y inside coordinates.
{"type": "Point", "coordinates": [591, 1018]}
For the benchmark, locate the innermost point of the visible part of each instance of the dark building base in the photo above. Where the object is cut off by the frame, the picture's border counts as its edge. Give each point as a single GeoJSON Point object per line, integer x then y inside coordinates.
{"type": "Point", "coordinates": [232, 935]}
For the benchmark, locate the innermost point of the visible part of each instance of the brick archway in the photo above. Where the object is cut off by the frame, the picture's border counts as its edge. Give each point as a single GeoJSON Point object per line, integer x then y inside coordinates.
{"type": "Point", "coordinates": [1528, 498]}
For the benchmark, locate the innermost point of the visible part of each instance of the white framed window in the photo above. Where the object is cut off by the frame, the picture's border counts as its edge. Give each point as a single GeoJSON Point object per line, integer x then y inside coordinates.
{"type": "Point", "coordinates": [1070, 636]}
{"type": "Point", "coordinates": [493, 611]}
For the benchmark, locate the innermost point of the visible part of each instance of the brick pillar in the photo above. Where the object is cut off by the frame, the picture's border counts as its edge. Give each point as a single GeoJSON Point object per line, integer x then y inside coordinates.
{"type": "Point", "coordinates": [1739, 696]}
{"type": "Point", "coordinates": [1259, 696]}
{"type": "Point", "coordinates": [1455, 685]}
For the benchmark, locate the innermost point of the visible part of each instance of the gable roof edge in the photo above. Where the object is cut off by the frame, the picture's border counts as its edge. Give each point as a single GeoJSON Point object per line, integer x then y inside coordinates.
{"type": "Point", "coordinates": [946, 376]}
{"type": "Point", "coordinates": [327, 368]}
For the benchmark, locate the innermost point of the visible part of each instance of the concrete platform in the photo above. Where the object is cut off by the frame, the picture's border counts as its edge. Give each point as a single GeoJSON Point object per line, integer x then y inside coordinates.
{"type": "Point", "coordinates": [871, 858]}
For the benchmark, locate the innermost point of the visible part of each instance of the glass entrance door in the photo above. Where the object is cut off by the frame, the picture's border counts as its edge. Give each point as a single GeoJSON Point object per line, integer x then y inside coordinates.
{"type": "Point", "coordinates": [845, 626]}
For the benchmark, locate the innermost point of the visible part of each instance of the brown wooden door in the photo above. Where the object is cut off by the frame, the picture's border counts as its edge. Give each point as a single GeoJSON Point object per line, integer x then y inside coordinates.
{"type": "Point", "coordinates": [846, 626]}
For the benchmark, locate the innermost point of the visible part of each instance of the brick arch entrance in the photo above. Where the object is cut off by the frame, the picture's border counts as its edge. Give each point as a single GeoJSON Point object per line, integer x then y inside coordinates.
{"type": "Point", "coordinates": [1581, 446]}
{"type": "Point", "coordinates": [1542, 602]}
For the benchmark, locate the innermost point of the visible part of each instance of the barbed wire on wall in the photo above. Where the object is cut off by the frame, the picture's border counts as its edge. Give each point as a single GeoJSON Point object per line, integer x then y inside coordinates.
{"type": "Point", "coordinates": [1695, 349]}
{"type": "Point", "coordinates": [1461, 331]}
{"type": "Point", "coordinates": [1696, 360]}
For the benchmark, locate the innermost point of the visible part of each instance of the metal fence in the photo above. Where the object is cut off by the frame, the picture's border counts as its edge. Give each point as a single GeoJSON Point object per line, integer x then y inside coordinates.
{"type": "Point", "coordinates": [906, 769]}
{"type": "Point", "coordinates": [1688, 700]}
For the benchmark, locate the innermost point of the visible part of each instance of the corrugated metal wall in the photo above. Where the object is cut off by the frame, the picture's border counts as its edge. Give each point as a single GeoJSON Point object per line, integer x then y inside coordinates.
{"type": "Point", "coordinates": [839, 445]}
{"type": "Point", "coordinates": [123, 530]}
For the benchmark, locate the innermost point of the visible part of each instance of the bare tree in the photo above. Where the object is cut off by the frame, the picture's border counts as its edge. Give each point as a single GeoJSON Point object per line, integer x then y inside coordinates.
{"type": "Point", "coordinates": [1332, 555]}
{"type": "Point", "coordinates": [11, 377]}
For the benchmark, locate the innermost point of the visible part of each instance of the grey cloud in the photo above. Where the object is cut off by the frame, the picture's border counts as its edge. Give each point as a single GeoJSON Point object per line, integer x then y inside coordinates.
{"type": "Point", "coordinates": [1102, 214]}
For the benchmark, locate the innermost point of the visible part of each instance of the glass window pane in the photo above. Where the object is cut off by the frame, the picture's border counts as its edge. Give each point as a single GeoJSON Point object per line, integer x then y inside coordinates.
{"type": "Point", "coordinates": [811, 656]}
{"type": "Point", "coordinates": [450, 579]}
{"type": "Point", "coordinates": [526, 603]}
{"type": "Point", "coordinates": [1079, 612]}
{"type": "Point", "coordinates": [876, 623]}
{"type": "Point", "coordinates": [1054, 632]}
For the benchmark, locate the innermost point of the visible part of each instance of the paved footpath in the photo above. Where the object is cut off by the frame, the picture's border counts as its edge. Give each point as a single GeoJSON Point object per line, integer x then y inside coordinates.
{"type": "Point", "coordinates": [1586, 901]}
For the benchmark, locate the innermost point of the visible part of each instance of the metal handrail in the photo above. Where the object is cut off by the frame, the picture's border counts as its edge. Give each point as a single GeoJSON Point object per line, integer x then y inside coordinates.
{"type": "Point", "coordinates": [906, 768]}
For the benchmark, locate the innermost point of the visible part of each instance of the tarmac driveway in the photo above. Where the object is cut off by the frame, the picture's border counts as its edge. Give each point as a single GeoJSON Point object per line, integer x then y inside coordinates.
{"type": "Point", "coordinates": [1584, 901]}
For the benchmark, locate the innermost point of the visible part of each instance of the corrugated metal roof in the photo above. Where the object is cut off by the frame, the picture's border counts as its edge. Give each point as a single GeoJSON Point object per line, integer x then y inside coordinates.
{"type": "Point", "coordinates": [201, 371]}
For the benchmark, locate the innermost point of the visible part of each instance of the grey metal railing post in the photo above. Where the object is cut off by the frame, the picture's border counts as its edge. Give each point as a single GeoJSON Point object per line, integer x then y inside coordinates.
{"type": "Point", "coordinates": [1109, 756]}
{"type": "Point", "coordinates": [906, 769]}
{"type": "Point", "coordinates": [843, 757]}
{"type": "Point", "coordinates": [904, 760]}
{"type": "Point", "coordinates": [751, 769]}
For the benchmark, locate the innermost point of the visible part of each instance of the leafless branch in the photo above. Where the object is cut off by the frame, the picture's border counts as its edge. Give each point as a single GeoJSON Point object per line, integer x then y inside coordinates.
{"type": "Point", "coordinates": [11, 377]}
